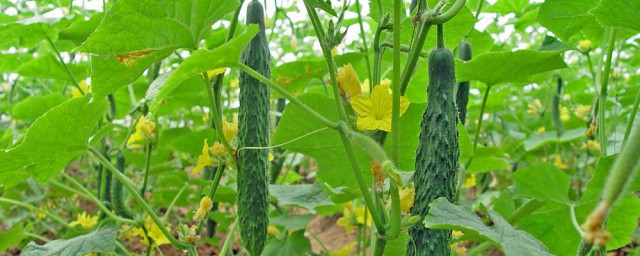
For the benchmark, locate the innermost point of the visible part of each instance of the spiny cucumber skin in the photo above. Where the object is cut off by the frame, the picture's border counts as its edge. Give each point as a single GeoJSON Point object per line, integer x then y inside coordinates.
{"type": "Point", "coordinates": [462, 94]}
{"type": "Point", "coordinates": [437, 155]}
{"type": "Point", "coordinates": [253, 131]}
{"type": "Point", "coordinates": [117, 198]}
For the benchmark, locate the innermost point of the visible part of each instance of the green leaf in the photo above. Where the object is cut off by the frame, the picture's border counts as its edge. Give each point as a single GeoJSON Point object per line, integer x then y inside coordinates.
{"type": "Point", "coordinates": [11, 238]}
{"type": "Point", "coordinates": [141, 25]}
{"type": "Point", "coordinates": [509, 6]}
{"type": "Point", "coordinates": [102, 240]}
{"type": "Point", "coordinates": [293, 245]}
{"type": "Point", "coordinates": [191, 142]}
{"type": "Point", "coordinates": [109, 74]}
{"type": "Point", "coordinates": [308, 196]}
{"type": "Point", "coordinates": [397, 246]}
{"type": "Point", "coordinates": [544, 182]}
{"type": "Point", "coordinates": [48, 66]}
{"type": "Point", "coordinates": [445, 215]}
{"type": "Point", "coordinates": [408, 140]}
{"type": "Point", "coordinates": [80, 29]}
{"type": "Point", "coordinates": [537, 140]}
{"type": "Point", "coordinates": [503, 67]}
{"type": "Point", "coordinates": [488, 159]}
{"type": "Point", "coordinates": [553, 44]}
{"type": "Point", "coordinates": [9, 62]}
{"type": "Point", "coordinates": [25, 33]}
{"type": "Point", "coordinates": [33, 107]}
{"type": "Point", "coordinates": [200, 61]}
{"type": "Point", "coordinates": [618, 13]}
{"type": "Point", "coordinates": [52, 141]}
{"type": "Point", "coordinates": [566, 17]}
{"type": "Point", "coordinates": [292, 223]}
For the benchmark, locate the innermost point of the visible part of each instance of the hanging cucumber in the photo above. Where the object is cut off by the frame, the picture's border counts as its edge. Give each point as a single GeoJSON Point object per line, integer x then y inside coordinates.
{"type": "Point", "coordinates": [253, 131]}
{"type": "Point", "coordinates": [557, 121]}
{"type": "Point", "coordinates": [437, 154]}
{"type": "Point", "coordinates": [117, 198]}
{"type": "Point", "coordinates": [462, 94]}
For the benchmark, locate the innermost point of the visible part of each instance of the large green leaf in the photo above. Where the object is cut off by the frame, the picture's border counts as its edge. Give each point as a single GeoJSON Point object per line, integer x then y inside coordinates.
{"type": "Point", "coordinates": [33, 107]}
{"type": "Point", "coordinates": [48, 66]}
{"type": "Point", "coordinates": [52, 141]}
{"type": "Point", "coordinates": [537, 140]}
{"type": "Point", "coordinates": [292, 223]}
{"type": "Point", "coordinates": [102, 240]}
{"type": "Point", "coordinates": [25, 33]}
{"type": "Point", "coordinates": [141, 25]}
{"type": "Point", "coordinates": [308, 196]}
{"type": "Point", "coordinates": [445, 215]}
{"type": "Point", "coordinates": [552, 224]}
{"type": "Point", "coordinates": [11, 238]}
{"type": "Point", "coordinates": [502, 67]}
{"type": "Point", "coordinates": [566, 17]}
{"type": "Point", "coordinates": [9, 62]}
{"type": "Point", "coordinates": [556, 183]}
{"type": "Point", "coordinates": [109, 74]}
{"type": "Point", "coordinates": [200, 61]}
{"type": "Point", "coordinates": [618, 13]}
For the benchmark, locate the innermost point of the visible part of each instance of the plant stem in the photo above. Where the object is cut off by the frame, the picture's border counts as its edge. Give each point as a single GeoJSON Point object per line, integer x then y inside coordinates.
{"type": "Point", "coordinates": [174, 201]}
{"type": "Point", "coordinates": [147, 165]}
{"type": "Point", "coordinates": [214, 187]}
{"type": "Point", "coordinates": [632, 118]}
{"type": "Point", "coordinates": [215, 113]}
{"type": "Point", "coordinates": [145, 206]}
{"type": "Point", "coordinates": [602, 132]}
{"type": "Point", "coordinates": [379, 246]}
{"type": "Point", "coordinates": [66, 68]}
{"type": "Point", "coordinates": [395, 109]}
{"type": "Point", "coordinates": [97, 201]}
{"type": "Point", "coordinates": [229, 239]}
{"type": "Point", "coordinates": [479, 127]}
{"type": "Point", "coordinates": [364, 40]}
{"type": "Point", "coordinates": [292, 99]}
{"type": "Point", "coordinates": [331, 65]}
{"type": "Point", "coordinates": [375, 215]}
{"type": "Point", "coordinates": [36, 209]}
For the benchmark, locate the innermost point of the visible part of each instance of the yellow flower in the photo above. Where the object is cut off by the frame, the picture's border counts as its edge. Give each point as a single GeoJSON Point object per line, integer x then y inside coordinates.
{"type": "Point", "coordinates": [591, 145]}
{"type": "Point", "coordinates": [348, 80]}
{"type": "Point", "coordinates": [364, 87]}
{"type": "Point", "coordinates": [470, 181]}
{"type": "Point", "coordinates": [205, 206]}
{"type": "Point", "coordinates": [559, 163]}
{"type": "Point", "coordinates": [144, 131]}
{"type": "Point", "coordinates": [457, 234]}
{"type": "Point", "coordinates": [582, 112]}
{"type": "Point", "coordinates": [334, 51]}
{"type": "Point", "coordinates": [564, 114]}
{"type": "Point", "coordinates": [216, 72]}
{"type": "Point", "coordinates": [531, 109]}
{"type": "Point", "coordinates": [542, 129]}
{"type": "Point", "coordinates": [234, 83]}
{"type": "Point", "coordinates": [407, 197]}
{"type": "Point", "coordinates": [344, 250]}
{"type": "Point", "coordinates": [75, 92]}
{"type": "Point", "coordinates": [375, 112]}
{"type": "Point", "coordinates": [217, 149]}
{"type": "Point", "coordinates": [229, 129]}
{"type": "Point", "coordinates": [273, 230]}
{"type": "Point", "coordinates": [386, 82]}
{"type": "Point", "coordinates": [84, 220]}
{"type": "Point", "coordinates": [294, 42]}
{"type": "Point", "coordinates": [353, 217]}
{"type": "Point", "coordinates": [584, 45]}
{"type": "Point", "coordinates": [271, 157]}
{"type": "Point", "coordinates": [153, 231]}
{"type": "Point", "coordinates": [204, 159]}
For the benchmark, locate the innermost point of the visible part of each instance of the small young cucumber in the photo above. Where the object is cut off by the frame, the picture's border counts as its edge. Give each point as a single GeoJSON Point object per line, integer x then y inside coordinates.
{"type": "Point", "coordinates": [253, 131]}
{"type": "Point", "coordinates": [462, 94]}
{"type": "Point", "coordinates": [117, 198]}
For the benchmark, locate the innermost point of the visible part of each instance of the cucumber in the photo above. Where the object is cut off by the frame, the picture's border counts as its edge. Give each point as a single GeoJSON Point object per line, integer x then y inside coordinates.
{"type": "Point", "coordinates": [117, 198]}
{"type": "Point", "coordinates": [557, 122]}
{"type": "Point", "coordinates": [253, 131]}
{"type": "Point", "coordinates": [462, 94]}
{"type": "Point", "coordinates": [437, 154]}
